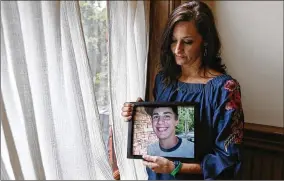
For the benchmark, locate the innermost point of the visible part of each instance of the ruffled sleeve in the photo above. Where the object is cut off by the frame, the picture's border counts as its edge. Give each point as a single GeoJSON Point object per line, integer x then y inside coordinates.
{"type": "Point", "coordinates": [228, 122]}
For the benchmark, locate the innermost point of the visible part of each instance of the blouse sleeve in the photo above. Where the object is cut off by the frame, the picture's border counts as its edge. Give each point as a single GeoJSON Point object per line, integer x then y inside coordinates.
{"type": "Point", "coordinates": [228, 122]}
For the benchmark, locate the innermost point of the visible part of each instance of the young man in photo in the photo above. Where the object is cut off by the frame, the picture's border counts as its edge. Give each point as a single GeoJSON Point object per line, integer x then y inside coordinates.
{"type": "Point", "coordinates": [164, 122]}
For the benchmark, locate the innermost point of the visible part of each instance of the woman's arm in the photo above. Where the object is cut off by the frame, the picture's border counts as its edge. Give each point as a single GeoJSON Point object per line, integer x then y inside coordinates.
{"type": "Point", "coordinates": [224, 161]}
{"type": "Point", "coordinates": [193, 168]}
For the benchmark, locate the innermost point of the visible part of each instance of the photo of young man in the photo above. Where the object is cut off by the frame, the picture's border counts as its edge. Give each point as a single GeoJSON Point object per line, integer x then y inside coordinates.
{"type": "Point", "coordinates": [164, 122]}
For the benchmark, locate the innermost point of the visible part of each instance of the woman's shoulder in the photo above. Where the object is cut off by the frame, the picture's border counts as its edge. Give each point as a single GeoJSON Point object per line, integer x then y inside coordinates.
{"type": "Point", "coordinates": [159, 76]}
{"type": "Point", "coordinates": [216, 81]}
{"type": "Point", "coordinates": [159, 80]}
{"type": "Point", "coordinates": [223, 81]}
{"type": "Point", "coordinates": [224, 87]}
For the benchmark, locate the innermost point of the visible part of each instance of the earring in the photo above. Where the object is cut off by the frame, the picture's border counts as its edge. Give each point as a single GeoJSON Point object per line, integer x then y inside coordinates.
{"type": "Point", "coordinates": [205, 51]}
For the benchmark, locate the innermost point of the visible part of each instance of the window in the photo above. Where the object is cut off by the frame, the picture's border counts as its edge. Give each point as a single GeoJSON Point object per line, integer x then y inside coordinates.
{"type": "Point", "coordinates": [95, 26]}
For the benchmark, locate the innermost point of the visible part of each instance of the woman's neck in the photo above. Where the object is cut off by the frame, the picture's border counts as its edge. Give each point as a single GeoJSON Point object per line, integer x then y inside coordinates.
{"type": "Point", "coordinates": [169, 143]}
{"type": "Point", "coordinates": [197, 75]}
{"type": "Point", "coordinates": [193, 73]}
{"type": "Point", "coordinates": [191, 70]}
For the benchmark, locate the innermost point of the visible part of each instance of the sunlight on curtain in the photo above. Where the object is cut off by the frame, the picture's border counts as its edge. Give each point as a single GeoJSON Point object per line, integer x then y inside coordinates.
{"type": "Point", "coordinates": [61, 90]}
{"type": "Point", "coordinates": [94, 21]}
{"type": "Point", "coordinates": [128, 50]}
{"type": "Point", "coordinates": [48, 93]}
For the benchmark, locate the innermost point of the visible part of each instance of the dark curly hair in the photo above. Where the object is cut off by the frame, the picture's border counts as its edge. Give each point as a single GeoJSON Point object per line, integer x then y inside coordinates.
{"type": "Point", "coordinates": [202, 16]}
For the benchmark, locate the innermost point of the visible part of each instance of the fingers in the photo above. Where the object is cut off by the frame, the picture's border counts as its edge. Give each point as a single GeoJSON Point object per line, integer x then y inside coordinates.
{"type": "Point", "coordinates": [127, 104]}
{"type": "Point", "coordinates": [158, 164]}
{"type": "Point", "coordinates": [128, 118]}
{"type": "Point", "coordinates": [126, 113]}
{"type": "Point", "coordinates": [150, 158]}
{"type": "Point", "coordinates": [139, 99]}
{"type": "Point", "coordinates": [127, 110]}
{"type": "Point", "coordinates": [150, 165]}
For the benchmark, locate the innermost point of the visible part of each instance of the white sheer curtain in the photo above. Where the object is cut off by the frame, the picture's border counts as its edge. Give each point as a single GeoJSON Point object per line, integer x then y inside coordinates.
{"type": "Point", "coordinates": [52, 128]}
{"type": "Point", "coordinates": [128, 49]}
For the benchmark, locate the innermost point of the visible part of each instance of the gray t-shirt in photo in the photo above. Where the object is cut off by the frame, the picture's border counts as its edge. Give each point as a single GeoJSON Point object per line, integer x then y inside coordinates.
{"type": "Point", "coordinates": [184, 149]}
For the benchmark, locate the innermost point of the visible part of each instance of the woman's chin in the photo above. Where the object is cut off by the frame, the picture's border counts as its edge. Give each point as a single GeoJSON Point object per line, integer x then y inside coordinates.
{"type": "Point", "coordinates": [180, 62]}
{"type": "Point", "coordinates": [185, 62]}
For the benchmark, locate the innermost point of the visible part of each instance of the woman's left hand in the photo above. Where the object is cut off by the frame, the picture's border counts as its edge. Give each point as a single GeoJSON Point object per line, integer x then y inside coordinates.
{"type": "Point", "coordinates": [158, 164]}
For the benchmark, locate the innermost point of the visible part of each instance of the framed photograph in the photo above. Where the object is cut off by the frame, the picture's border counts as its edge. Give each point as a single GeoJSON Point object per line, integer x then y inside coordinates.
{"type": "Point", "coordinates": [166, 129]}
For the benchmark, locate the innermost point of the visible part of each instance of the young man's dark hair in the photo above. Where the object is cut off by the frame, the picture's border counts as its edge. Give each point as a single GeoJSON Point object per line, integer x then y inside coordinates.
{"type": "Point", "coordinates": [150, 110]}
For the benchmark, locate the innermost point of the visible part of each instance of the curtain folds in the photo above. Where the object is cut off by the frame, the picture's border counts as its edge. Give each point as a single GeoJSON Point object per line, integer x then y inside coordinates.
{"type": "Point", "coordinates": [48, 92]}
{"type": "Point", "coordinates": [50, 119]}
{"type": "Point", "coordinates": [128, 48]}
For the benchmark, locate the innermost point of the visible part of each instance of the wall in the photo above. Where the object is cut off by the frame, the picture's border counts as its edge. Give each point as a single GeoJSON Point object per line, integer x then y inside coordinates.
{"type": "Point", "coordinates": [159, 11]}
{"type": "Point", "coordinates": [263, 153]}
{"type": "Point", "coordinates": [252, 37]}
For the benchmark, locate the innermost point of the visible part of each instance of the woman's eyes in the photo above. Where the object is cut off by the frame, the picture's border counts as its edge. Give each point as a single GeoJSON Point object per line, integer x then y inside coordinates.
{"type": "Point", "coordinates": [188, 42]}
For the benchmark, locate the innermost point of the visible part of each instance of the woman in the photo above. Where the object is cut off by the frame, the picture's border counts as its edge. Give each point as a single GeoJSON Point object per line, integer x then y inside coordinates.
{"type": "Point", "coordinates": [191, 70]}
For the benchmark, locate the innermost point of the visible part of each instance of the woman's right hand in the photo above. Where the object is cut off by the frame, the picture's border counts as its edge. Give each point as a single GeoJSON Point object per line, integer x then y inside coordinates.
{"type": "Point", "coordinates": [127, 109]}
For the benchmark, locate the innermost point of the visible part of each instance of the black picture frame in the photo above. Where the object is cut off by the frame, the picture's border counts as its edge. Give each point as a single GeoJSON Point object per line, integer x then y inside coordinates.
{"type": "Point", "coordinates": [134, 125]}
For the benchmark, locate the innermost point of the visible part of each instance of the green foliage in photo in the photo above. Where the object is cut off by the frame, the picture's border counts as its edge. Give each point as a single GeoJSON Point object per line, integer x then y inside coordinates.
{"type": "Point", "coordinates": [186, 120]}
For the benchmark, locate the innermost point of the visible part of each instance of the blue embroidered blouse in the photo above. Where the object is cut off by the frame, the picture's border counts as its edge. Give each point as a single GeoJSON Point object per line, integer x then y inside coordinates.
{"type": "Point", "coordinates": [221, 124]}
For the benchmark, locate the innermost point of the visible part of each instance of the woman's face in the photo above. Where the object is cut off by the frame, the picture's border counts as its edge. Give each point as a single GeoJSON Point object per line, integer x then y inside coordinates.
{"type": "Point", "coordinates": [186, 43]}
